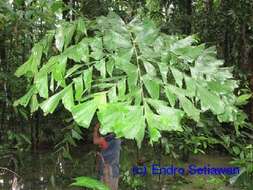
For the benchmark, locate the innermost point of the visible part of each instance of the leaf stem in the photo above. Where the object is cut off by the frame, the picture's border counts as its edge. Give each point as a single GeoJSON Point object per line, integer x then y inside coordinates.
{"type": "Point", "coordinates": [138, 65]}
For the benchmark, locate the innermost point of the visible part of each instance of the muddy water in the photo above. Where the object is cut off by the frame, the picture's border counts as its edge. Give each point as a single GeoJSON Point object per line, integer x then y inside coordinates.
{"type": "Point", "coordinates": [48, 171]}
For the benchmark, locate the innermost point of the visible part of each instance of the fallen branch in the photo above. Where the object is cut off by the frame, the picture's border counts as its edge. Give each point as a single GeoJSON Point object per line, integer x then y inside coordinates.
{"type": "Point", "coordinates": [2, 168]}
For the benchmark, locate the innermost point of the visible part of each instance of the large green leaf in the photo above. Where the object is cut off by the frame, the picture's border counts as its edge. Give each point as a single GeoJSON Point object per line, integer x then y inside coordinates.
{"type": "Point", "coordinates": [100, 66]}
{"type": "Point", "coordinates": [23, 69]}
{"type": "Point", "coordinates": [34, 105]}
{"type": "Point", "coordinates": [78, 87]}
{"type": "Point", "coordinates": [37, 54]}
{"type": "Point", "coordinates": [69, 31]}
{"type": "Point", "coordinates": [209, 100]}
{"type": "Point", "coordinates": [152, 125]}
{"type": "Point", "coordinates": [110, 66]}
{"type": "Point", "coordinates": [122, 61]}
{"type": "Point", "coordinates": [178, 91]}
{"type": "Point", "coordinates": [183, 43]}
{"type": "Point", "coordinates": [165, 122]}
{"type": "Point", "coordinates": [32, 64]}
{"type": "Point", "coordinates": [190, 86]}
{"type": "Point", "coordinates": [168, 119]}
{"type": "Point", "coordinates": [150, 69]}
{"type": "Point", "coordinates": [112, 22]}
{"type": "Point", "coordinates": [80, 29]}
{"type": "Point", "coordinates": [112, 94]}
{"type": "Point", "coordinates": [79, 52]}
{"type": "Point", "coordinates": [87, 78]}
{"type": "Point", "coordinates": [59, 38]}
{"type": "Point", "coordinates": [41, 82]}
{"type": "Point", "coordinates": [97, 47]}
{"type": "Point", "coordinates": [68, 98]}
{"type": "Point", "coordinates": [124, 120]}
{"type": "Point", "coordinates": [84, 112]}
{"type": "Point", "coordinates": [163, 67]}
{"type": "Point", "coordinates": [89, 183]}
{"type": "Point", "coordinates": [59, 71]}
{"type": "Point", "coordinates": [47, 42]}
{"type": "Point", "coordinates": [207, 63]}
{"type": "Point", "coordinates": [189, 53]}
{"type": "Point", "coordinates": [243, 99]}
{"type": "Point", "coordinates": [24, 100]}
{"type": "Point", "coordinates": [221, 87]}
{"type": "Point", "coordinates": [189, 108]}
{"type": "Point", "coordinates": [114, 40]}
{"type": "Point", "coordinates": [121, 87]}
{"type": "Point", "coordinates": [152, 86]}
{"type": "Point", "coordinates": [73, 70]}
{"type": "Point", "coordinates": [178, 76]}
{"type": "Point", "coordinates": [100, 99]}
{"type": "Point", "coordinates": [171, 97]}
{"type": "Point", "coordinates": [64, 35]}
{"type": "Point", "coordinates": [124, 74]}
{"type": "Point", "coordinates": [146, 32]}
{"type": "Point", "coordinates": [49, 105]}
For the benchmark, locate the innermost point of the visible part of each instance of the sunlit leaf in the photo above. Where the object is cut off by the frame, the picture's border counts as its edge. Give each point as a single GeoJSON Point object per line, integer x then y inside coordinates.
{"type": "Point", "coordinates": [136, 77]}
{"type": "Point", "coordinates": [183, 43]}
{"type": "Point", "coordinates": [189, 108]}
{"type": "Point", "coordinates": [24, 100]}
{"type": "Point", "coordinates": [178, 76]}
{"type": "Point", "coordinates": [209, 100]}
{"type": "Point", "coordinates": [68, 98]}
{"type": "Point", "coordinates": [124, 120]}
{"type": "Point", "coordinates": [150, 69]}
{"type": "Point", "coordinates": [34, 105]}
{"type": "Point", "coordinates": [89, 183]}
{"type": "Point", "coordinates": [87, 78]}
{"type": "Point", "coordinates": [78, 87]}
{"type": "Point", "coordinates": [121, 87]}
{"type": "Point", "coordinates": [100, 66]}
{"type": "Point", "coordinates": [49, 105]}
{"type": "Point", "coordinates": [83, 112]}
{"type": "Point", "coordinates": [41, 82]}
{"type": "Point", "coordinates": [152, 86]}
{"type": "Point", "coordinates": [73, 69]}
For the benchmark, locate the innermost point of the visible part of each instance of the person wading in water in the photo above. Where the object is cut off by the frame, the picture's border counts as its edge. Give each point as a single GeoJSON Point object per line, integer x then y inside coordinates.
{"type": "Point", "coordinates": [108, 165]}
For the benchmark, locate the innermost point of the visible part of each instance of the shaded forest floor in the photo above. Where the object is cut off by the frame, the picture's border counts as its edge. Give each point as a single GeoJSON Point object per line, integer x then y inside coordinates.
{"type": "Point", "coordinates": [48, 171]}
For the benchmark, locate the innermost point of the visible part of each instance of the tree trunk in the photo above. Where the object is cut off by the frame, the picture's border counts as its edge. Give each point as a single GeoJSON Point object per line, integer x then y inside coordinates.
{"type": "Point", "coordinates": [33, 148]}
{"type": "Point", "coordinates": [250, 62]}
{"type": "Point", "coordinates": [66, 12]}
{"type": "Point", "coordinates": [243, 50]}
{"type": "Point", "coordinates": [188, 5]}
{"type": "Point", "coordinates": [209, 5]}
{"type": "Point", "coordinates": [37, 140]}
{"type": "Point", "coordinates": [34, 120]}
{"type": "Point", "coordinates": [3, 69]}
{"type": "Point", "coordinates": [226, 25]}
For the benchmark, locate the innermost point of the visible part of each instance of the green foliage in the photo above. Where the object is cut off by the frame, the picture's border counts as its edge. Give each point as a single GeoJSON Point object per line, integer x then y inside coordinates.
{"type": "Point", "coordinates": [19, 141]}
{"type": "Point", "coordinates": [89, 183]}
{"type": "Point", "coordinates": [133, 75]}
{"type": "Point", "coordinates": [244, 160]}
{"type": "Point", "coordinates": [133, 182]}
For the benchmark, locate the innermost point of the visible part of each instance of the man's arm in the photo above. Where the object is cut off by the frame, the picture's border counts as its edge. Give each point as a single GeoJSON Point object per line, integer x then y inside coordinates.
{"type": "Point", "coordinates": [96, 137]}
{"type": "Point", "coordinates": [99, 140]}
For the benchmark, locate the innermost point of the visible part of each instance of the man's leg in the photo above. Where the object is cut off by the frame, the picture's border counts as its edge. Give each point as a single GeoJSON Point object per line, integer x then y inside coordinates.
{"type": "Point", "coordinates": [107, 174]}
{"type": "Point", "coordinates": [114, 183]}
{"type": "Point", "coordinates": [108, 178]}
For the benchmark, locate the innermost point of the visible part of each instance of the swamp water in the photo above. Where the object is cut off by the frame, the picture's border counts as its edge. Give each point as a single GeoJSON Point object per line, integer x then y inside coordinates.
{"type": "Point", "coordinates": [48, 171]}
